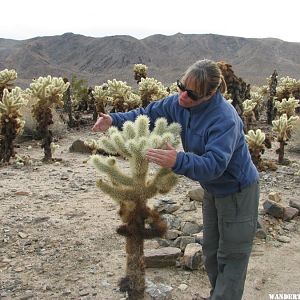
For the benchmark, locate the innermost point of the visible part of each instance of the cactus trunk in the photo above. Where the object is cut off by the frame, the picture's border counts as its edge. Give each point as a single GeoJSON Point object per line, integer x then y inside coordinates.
{"type": "Point", "coordinates": [6, 144]}
{"type": "Point", "coordinates": [46, 144]}
{"type": "Point", "coordinates": [134, 282]}
{"type": "Point", "coordinates": [135, 267]}
{"type": "Point", "coordinates": [281, 152]}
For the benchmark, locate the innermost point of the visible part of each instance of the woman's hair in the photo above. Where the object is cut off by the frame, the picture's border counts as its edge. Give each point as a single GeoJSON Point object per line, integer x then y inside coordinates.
{"type": "Point", "coordinates": [206, 77]}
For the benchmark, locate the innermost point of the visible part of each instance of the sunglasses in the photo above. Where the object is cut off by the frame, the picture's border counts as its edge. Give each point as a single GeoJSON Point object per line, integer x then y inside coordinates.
{"type": "Point", "coordinates": [190, 93]}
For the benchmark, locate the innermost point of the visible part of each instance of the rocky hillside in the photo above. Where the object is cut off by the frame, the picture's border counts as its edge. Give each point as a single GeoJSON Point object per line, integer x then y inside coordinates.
{"type": "Point", "coordinates": [100, 59]}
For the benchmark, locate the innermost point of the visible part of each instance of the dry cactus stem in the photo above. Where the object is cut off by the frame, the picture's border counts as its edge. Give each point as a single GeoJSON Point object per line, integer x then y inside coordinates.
{"type": "Point", "coordinates": [140, 71]}
{"type": "Point", "coordinates": [283, 127]}
{"type": "Point", "coordinates": [6, 78]}
{"type": "Point", "coordinates": [49, 93]}
{"type": "Point", "coordinates": [131, 192]}
{"type": "Point", "coordinates": [151, 90]}
{"type": "Point", "coordinates": [11, 123]}
{"type": "Point", "coordinates": [238, 89]}
{"type": "Point", "coordinates": [272, 81]}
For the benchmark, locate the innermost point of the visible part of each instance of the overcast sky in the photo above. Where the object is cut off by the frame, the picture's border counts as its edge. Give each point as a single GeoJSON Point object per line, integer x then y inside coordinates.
{"type": "Point", "coordinates": [24, 19]}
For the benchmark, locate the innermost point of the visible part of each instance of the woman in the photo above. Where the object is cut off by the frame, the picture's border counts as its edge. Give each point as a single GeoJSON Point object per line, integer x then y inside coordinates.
{"type": "Point", "coordinates": [215, 154]}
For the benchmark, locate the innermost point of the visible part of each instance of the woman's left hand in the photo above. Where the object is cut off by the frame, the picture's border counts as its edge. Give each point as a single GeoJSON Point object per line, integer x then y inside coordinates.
{"type": "Point", "coordinates": [163, 157]}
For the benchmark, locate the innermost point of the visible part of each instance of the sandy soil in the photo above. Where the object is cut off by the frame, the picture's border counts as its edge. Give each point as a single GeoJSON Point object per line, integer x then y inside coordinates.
{"type": "Point", "coordinates": [58, 239]}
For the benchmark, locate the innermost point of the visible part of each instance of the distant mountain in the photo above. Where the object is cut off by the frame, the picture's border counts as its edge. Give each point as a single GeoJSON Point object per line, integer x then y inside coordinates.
{"type": "Point", "coordinates": [100, 59]}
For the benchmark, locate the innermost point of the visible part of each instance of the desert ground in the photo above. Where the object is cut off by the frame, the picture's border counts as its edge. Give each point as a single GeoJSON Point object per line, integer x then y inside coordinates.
{"type": "Point", "coordinates": [58, 235]}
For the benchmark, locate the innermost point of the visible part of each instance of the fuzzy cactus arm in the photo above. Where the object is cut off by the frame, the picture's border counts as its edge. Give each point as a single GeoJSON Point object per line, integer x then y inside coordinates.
{"type": "Point", "coordinates": [109, 166]}
{"type": "Point", "coordinates": [106, 145]}
{"type": "Point", "coordinates": [163, 181]}
{"type": "Point", "coordinates": [119, 145]}
{"type": "Point", "coordinates": [120, 194]}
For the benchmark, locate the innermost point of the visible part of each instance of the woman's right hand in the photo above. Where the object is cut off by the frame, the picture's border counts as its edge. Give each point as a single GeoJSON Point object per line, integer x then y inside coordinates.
{"type": "Point", "coordinates": [103, 123]}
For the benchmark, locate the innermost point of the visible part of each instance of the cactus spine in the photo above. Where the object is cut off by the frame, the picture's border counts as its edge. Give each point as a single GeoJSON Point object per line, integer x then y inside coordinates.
{"type": "Point", "coordinates": [131, 192]}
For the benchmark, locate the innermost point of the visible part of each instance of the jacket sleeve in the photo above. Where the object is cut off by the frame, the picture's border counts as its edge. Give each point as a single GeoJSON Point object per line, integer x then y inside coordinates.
{"type": "Point", "coordinates": [221, 144]}
{"type": "Point", "coordinates": [154, 110]}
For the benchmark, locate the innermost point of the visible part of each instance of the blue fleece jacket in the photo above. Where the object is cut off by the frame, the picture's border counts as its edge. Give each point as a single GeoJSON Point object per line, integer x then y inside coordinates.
{"type": "Point", "coordinates": [215, 150]}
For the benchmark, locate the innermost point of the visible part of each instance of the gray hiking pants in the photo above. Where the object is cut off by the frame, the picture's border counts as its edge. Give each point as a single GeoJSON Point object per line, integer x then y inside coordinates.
{"type": "Point", "coordinates": [229, 226]}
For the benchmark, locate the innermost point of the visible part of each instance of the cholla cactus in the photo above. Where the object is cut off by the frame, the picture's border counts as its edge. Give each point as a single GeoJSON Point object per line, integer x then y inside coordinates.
{"type": "Point", "coordinates": [173, 88]}
{"type": "Point", "coordinates": [288, 87]}
{"type": "Point", "coordinates": [49, 93]}
{"type": "Point", "coordinates": [11, 123]}
{"type": "Point", "coordinates": [283, 127]}
{"type": "Point", "coordinates": [123, 99]}
{"type": "Point", "coordinates": [131, 192]}
{"type": "Point", "coordinates": [257, 98]}
{"type": "Point", "coordinates": [151, 90]}
{"type": "Point", "coordinates": [287, 107]}
{"type": "Point", "coordinates": [6, 78]}
{"type": "Point", "coordinates": [93, 145]}
{"type": "Point", "coordinates": [248, 113]}
{"type": "Point", "coordinates": [100, 94]}
{"type": "Point", "coordinates": [140, 71]}
{"type": "Point", "coordinates": [256, 146]}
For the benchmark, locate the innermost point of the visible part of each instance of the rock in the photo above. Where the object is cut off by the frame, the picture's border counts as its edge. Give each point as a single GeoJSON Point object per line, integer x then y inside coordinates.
{"type": "Point", "coordinates": [198, 237]}
{"type": "Point", "coordinates": [158, 291]}
{"type": "Point", "coordinates": [192, 256]}
{"type": "Point", "coordinates": [295, 203]}
{"type": "Point", "coordinates": [182, 287]}
{"type": "Point", "coordinates": [290, 213]}
{"type": "Point", "coordinates": [283, 239]}
{"type": "Point", "coordinates": [22, 235]}
{"type": "Point", "coordinates": [196, 194]}
{"type": "Point", "coordinates": [162, 257]}
{"type": "Point", "coordinates": [79, 147]}
{"type": "Point", "coordinates": [275, 196]}
{"type": "Point", "coordinates": [190, 228]}
{"type": "Point", "coordinates": [166, 205]}
{"type": "Point", "coordinates": [172, 221]}
{"type": "Point", "coordinates": [172, 234]}
{"type": "Point", "coordinates": [190, 206]}
{"type": "Point", "coordinates": [274, 209]}
{"type": "Point", "coordinates": [185, 240]}
{"type": "Point", "coordinates": [261, 232]}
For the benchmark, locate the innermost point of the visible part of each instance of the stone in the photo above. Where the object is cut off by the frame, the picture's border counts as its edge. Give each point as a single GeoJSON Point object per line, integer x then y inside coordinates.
{"type": "Point", "coordinates": [190, 228]}
{"type": "Point", "coordinates": [295, 203]}
{"type": "Point", "coordinates": [283, 239]}
{"type": "Point", "coordinates": [275, 196]}
{"type": "Point", "coordinates": [196, 194]}
{"type": "Point", "coordinates": [273, 208]}
{"type": "Point", "coordinates": [161, 257]}
{"type": "Point", "coordinates": [172, 234]}
{"type": "Point", "coordinates": [157, 291]}
{"type": "Point", "coordinates": [290, 213]}
{"type": "Point", "coordinates": [185, 240]}
{"type": "Point", "coordinates": [192, 257]}
{"type": "Point", "coordinates": [79, 147]}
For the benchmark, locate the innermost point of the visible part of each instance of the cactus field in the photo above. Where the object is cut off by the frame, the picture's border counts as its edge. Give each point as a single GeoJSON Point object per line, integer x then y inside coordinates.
{"type": "Point", "coordinates": [66, 231]}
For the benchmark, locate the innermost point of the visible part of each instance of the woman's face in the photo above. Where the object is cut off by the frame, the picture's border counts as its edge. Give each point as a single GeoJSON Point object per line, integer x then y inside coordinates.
{"type": "Point", "coordinates": [187, 94]}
